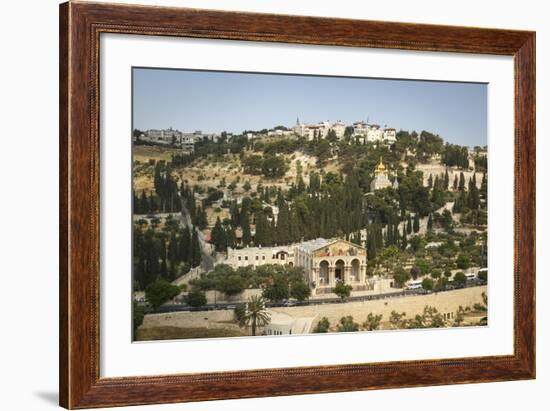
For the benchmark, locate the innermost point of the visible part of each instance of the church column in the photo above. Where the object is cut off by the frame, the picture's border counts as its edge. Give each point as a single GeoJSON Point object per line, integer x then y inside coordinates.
{"type": "Point", "coordinates": [315, 276]}
{"type": "Point", "coordinates": [331, 276]}
{"type": "Point", "coordinates": [315, 279]}
{"type": "Point", "coordinates": [347, 272]}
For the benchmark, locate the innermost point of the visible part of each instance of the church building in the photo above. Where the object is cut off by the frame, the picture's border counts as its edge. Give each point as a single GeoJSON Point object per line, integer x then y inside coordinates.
{"type": "Point", "coordinates": [327, 262]}
{"type": "Point", "coordinates": [381, 179]}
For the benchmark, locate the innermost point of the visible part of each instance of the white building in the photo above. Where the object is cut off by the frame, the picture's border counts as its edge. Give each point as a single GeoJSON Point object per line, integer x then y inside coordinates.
{"type": "Point", "coordinates": [256, 256]}
{"type": "Point", "coordinates": [188, 142]}
{"type": "Point", "coordinates": [340, 129]}
{"type": "Point", "coordinates": [390, 136]}
{"type": "Point", "coordinates": [172, 137]}
{"type": "Point", "coordinates": [319, 130]}
{"type": "Point", "coordinates": [360, 129]}
{"type": "Point", "coordinates": [164, 136]}
{"type": "Point", "coordinates": [314, 132]}
{"type": "Point", "coordinates": [374, 133]}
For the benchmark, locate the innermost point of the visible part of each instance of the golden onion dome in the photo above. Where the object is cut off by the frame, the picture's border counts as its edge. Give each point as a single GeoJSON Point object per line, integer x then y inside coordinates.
{"type": "Point", "coordinates": [380, 168]}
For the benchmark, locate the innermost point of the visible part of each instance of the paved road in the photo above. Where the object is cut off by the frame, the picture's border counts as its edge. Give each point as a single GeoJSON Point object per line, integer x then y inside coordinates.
{"type": "Point", "coordinates": [207, 262]}
{"type": "Point", "coordinates": [231, 306]}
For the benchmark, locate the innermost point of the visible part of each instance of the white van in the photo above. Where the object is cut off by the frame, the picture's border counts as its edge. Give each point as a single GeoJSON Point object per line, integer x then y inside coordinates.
{"type": "Point", "coordinates": [471, 276]}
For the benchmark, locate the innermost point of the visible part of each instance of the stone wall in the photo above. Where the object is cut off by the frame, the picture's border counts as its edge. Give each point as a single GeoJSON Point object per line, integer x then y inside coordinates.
{"type": "Point", "coordinates": [220, 298]}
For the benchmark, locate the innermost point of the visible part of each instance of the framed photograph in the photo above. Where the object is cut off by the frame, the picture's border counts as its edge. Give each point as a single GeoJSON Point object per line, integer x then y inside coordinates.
{"type": "Point", "coordinates": [261, 205]}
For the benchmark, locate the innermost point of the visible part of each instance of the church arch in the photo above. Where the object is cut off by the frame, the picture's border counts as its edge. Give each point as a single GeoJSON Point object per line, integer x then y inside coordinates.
{"type": "Point", "coordinates": [323, 272]}
{"type": "Point", "coordinates": [339, 268]}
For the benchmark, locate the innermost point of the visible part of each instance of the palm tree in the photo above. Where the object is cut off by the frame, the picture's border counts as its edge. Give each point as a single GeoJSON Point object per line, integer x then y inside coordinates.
{"type": "Point", "coordinates": [256, 314]}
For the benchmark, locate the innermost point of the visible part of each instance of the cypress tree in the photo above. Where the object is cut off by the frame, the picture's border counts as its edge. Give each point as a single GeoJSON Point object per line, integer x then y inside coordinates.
{"type": "Point", "coordinates": [195, 250]}
{"type": "Point", "coordinates": [144, 203]}
{"type": "Point", "coordinates": [235, 214]}
{"type": "Point", "coordinates": [379, 240]}
{"type": "Point", "coordinates": [135, 203]}
{"type": "Point", "coordinates": [151, 256]}
{"type": "Point", "coordinates": [262, 235]}
{"type": "Point", "coordinates": [402, 202]}
{"type": "Point", "coordinates": [430, 222]}
{"type": "Point", "coordinates": [437, 184]}
{"type": "Point", "coordinates": [245, 224]}
{"type": "Point", "coordinates": [436, 194]}
{"type": "Point", "coordinates": [283, 223]}
{"type": "Point", "coordinates": [190, 204]}
{"type": "Point", "coordinates": [473, 197]}
{"type": "Point", "coordinates": [301, 187]}
{"type": "Point", "coordinates": [158, 180]}
{"type": "Point", "coordinates": [218, 236]}
{"type": "Point", "coordinates": [455, 183]}
{"type": "Point", "coordinates": [162, 255]}
{"type": "Point", "coordinates": [404, 241]}
{"type": "Point", "coordinates": [389, 234]}
{"type": "Point", "coordinates": [371, 245]}
{"type": "Point", "coordinates": [152, 203]}
{"type": "Point", "coordinates": [409, 224]}
{"type": "Point", "coordinates": [185, 245]}
{"type": "Point", "coordinates": [172, 251]}
{"type": "Point", "coordinates": [416, 223]}
{"type": "Point", "coordinates": [230, 237]}
{"type": "Point", "coordinates": [201, 219]}
{"type": "Point", "coordinates": [138, 258]}
{"type": "Point", "coordinates": [446, 180]}
{"type": "Point", "coordinates": [483, 188]}
{"type": "Point", "coordinates": [163, 269]}
{"type": "Point", "coordinates": [461, 183]}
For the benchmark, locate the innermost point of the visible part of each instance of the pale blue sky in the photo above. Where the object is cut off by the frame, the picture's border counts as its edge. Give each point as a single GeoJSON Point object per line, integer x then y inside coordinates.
{"type": "Point", "coordinates": [216, 101]}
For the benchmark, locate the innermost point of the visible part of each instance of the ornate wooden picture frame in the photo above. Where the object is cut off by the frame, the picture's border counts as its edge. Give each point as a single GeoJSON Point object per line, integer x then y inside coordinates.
{"type": "Point", "coordinates": [81, 25]}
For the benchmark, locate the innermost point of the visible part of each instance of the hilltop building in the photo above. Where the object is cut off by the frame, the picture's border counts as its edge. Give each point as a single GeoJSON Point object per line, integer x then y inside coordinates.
{"type": "Point", "coordinates": [164, 136]}
{"type": "Point", "coordinates": [319, 130]}
{"type": "Point", "coordinates": [340, 129]}
{"type": "Point", "coordinates": [360, 129]}
{"type": "Point", "coordinates": [176, 138]}
{"type": "Point", "coordinates": [312, 131]}
{"type": "Point", "coordinates": [372, 133]}
{"type": "Point", "coordinates": [389, 136]}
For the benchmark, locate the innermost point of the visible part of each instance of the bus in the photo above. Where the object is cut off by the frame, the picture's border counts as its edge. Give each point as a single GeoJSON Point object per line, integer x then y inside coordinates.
{"type": "Point", "coordinates": [414, 285]}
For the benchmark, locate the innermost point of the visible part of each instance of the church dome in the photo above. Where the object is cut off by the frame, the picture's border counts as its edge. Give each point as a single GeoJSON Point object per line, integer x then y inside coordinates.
{"type": "Point", "coordinates": [380, 168]}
